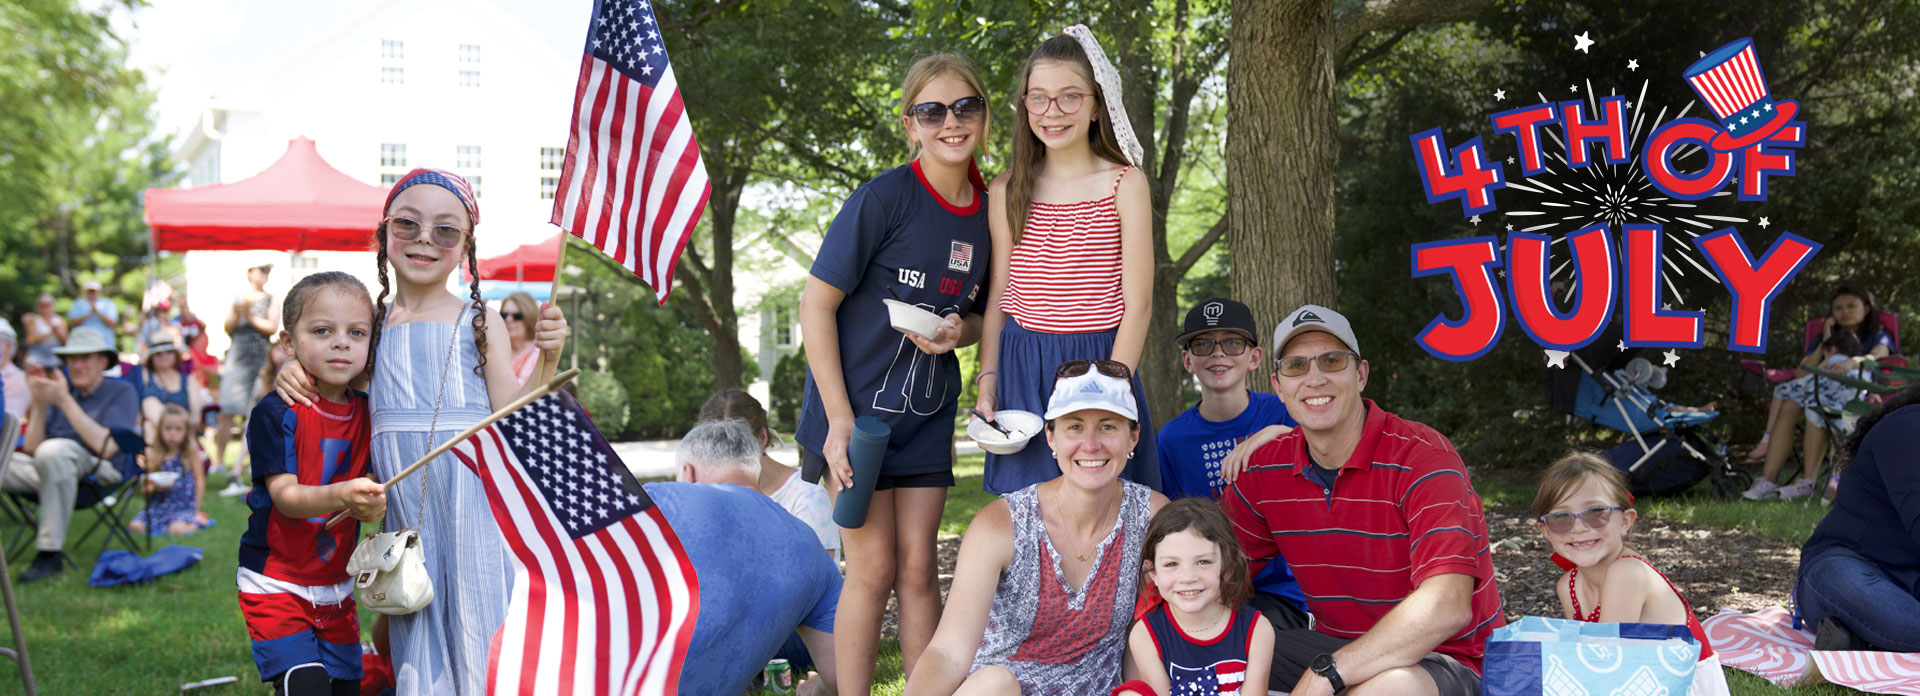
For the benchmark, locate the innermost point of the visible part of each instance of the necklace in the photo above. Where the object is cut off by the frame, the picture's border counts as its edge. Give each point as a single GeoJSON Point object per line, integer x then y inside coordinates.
{"type": "Point", "coordinates": [1208, 631]}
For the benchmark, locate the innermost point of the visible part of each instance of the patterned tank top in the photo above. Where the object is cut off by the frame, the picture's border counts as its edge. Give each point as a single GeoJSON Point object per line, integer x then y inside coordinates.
{"type": "Point", "coordinates": [1064, 276]}
{"type": "Point", "coordinates": [1055, 640]}
{"type": "Point", "coordinates": [1194, 666]}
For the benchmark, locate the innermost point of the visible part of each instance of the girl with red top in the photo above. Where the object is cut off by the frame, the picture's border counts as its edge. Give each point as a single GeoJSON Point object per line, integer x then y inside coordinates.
{"type": "Point", "coordinates": [1605, 581]}
{"type": "Point", "coordinates": [1073, 260]}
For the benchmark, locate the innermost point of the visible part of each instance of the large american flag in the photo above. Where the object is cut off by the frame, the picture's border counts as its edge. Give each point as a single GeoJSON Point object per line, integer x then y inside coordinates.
{"type": "Point", "coordinates": [604, 598]}
{"type": "Point", "coordinates": [633, 183]}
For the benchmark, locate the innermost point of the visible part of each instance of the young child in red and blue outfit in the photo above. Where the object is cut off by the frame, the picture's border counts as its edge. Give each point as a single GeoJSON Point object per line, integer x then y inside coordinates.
{"type": "Point", "coordinates": [308, 463]}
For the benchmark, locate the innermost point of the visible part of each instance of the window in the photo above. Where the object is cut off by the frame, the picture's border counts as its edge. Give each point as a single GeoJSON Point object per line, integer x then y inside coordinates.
{"type": "Point", "coordinates": [549, 185]}
{"type": "Point", "coordinates": [393, 76]}
{"type": "Point", "coordinates": [389, 179]}
{"type": "Point", "coordinates": [392, 48]}
{"type": "Point", "coordinates": [552, 157]}
{"type": "Point", "coordinates": [467, 156]}
{"type": "Point", "coordinates": [305, 262]}
{"type": "Point", "coordinates": [474, 183]}
{"type": "Point", "coordinates": [783, 326]}
{"type": "Point", "coordinates": [469, 78]}
{"type": "Point", "coordinates": [469, 53]}
{"type": "Point", "coordinates": [393, 154]}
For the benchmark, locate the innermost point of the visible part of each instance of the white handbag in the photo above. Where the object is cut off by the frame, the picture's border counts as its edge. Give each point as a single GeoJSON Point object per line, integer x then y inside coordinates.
{"type": "Point", "coordinates": [390, 573]}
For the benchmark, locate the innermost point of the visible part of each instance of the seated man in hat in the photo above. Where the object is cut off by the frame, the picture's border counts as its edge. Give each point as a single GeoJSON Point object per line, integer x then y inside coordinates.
{"type": "Point", "coordinates": [69, 421]}
{"type": "Point", "coordinates": [1380, 522]}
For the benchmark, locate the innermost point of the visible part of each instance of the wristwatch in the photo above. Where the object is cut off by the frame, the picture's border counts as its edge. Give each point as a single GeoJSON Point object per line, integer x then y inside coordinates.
{"type": "Point", "coordinates": [1323, 666]}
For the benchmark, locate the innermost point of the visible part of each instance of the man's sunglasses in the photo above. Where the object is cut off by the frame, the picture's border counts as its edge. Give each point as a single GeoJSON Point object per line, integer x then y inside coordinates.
{"type": "Point", "coordinates": [408, 229]}
{"type": "Point", "coordinates": [1110, 368]}
{"type": "Point", "coordinates": [934, 114]}
{"type": "Point", "coordinates": [1594, 517]}
{"type": "Point", "coordinates": [1331, 361]}
{"type": "Point", "coordinates": [1203, 347]}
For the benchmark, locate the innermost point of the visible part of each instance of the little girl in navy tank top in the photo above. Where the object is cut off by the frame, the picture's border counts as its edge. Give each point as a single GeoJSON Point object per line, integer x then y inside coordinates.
{"type": "Point", "coordinates": [1202, 637]}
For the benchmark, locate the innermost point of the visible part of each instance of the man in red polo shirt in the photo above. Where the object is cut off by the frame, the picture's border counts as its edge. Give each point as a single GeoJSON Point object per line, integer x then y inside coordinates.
{"type": "Point", "coordinates": [1380, 523]}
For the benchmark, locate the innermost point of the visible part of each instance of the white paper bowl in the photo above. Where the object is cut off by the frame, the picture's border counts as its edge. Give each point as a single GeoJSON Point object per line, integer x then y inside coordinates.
{"type": "Point", "coordinates": [163, 480]}
{"type": "Point", "coordinates": [1023, 424]}
{"type": "Point", "coordinates": [907, 318]}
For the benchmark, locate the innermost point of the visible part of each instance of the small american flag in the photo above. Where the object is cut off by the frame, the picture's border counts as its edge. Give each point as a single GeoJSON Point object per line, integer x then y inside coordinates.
{"type": "Point", "coordinates": [604, 598]}
{"type": "Point", "coordinates": [633, 183]}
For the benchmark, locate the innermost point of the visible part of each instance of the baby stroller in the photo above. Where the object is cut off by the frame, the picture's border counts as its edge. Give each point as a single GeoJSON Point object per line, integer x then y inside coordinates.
{"type": "Point", "coordinates": [1670, 449]}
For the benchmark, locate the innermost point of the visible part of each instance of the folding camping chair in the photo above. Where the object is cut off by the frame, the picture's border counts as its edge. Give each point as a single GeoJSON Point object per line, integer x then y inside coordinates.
{"type": "Point", "coordinates": [107, 501]}
{"type": "Point", "coordinates": [9, 437]}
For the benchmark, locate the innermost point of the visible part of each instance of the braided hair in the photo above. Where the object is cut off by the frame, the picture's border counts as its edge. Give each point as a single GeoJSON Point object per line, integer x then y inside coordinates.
{"type": "Point", "coordinates": [380, 304]}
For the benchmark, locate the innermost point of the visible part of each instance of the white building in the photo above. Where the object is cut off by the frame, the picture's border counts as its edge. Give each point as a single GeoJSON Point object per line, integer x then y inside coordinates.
{"type": "Point", "coordinates": [463, 85]}
{"type": "Point", "coordinates": [460, 85]}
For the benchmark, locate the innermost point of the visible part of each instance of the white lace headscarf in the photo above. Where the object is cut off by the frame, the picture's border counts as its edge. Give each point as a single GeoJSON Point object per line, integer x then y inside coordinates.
{"type": "Point", "coordinates": [1109, 80]}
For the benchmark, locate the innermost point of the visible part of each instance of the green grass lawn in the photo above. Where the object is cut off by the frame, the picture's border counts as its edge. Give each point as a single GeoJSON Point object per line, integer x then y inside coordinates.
{"type": "Point", "coordinates": [186, 627]}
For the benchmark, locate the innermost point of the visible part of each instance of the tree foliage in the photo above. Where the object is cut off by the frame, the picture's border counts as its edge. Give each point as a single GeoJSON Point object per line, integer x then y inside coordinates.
{"type": "Point", "coordinates": [75, 153]}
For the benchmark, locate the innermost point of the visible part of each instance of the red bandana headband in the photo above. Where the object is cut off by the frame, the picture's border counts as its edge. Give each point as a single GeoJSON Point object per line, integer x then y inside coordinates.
{"type": "Point", "coordinates": [443, 179]}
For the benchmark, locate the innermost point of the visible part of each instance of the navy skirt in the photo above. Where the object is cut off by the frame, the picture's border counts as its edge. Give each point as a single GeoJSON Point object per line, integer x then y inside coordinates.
{"type": "Point", "coordinates": [1027, 361]}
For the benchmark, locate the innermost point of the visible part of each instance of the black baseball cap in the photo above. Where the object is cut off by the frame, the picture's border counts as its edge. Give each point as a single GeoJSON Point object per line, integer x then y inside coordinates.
{"type": "Point", "coordinates": [1219, 314]}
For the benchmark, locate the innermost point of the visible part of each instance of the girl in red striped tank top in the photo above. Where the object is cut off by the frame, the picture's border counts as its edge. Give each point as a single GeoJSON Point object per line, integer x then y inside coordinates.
{"type": "Point", "coordinates": [1073, 260]}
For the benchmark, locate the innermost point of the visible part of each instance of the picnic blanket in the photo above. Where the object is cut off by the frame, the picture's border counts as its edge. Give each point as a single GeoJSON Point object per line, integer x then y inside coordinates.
{"type": "Point", "coordinates": [1765, 643]}
{"type": "Point", "coordinates": [119, 567]}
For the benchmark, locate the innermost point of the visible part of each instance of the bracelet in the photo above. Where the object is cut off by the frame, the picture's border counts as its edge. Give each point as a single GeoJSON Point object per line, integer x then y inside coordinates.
{"type": "Point", "coordinates": [976, 378]}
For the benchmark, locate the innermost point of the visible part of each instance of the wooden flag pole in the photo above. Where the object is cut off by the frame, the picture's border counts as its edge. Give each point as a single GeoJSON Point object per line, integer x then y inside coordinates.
{"type": "Point", "coordinates": [491, 418]}
{"type": "Point", "coordinates": [550, 359]}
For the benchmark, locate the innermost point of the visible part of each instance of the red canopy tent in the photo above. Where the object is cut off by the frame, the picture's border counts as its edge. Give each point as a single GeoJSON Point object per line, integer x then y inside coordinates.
{"type": "Point", "coordinates": [530, 262]}
{"type": "Point", "coordinates": [301, 203]}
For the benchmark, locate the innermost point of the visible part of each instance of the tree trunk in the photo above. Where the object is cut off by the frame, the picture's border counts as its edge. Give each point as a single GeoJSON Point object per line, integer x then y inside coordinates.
{"type": "Point", "coordinates": [1282, 145]}
{"type": "Point", "coordinates": [725, 206]}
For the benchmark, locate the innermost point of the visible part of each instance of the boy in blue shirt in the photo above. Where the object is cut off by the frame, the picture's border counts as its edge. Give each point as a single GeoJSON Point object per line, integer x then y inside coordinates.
{"type": "Point", "coordinates": [1218, 346]}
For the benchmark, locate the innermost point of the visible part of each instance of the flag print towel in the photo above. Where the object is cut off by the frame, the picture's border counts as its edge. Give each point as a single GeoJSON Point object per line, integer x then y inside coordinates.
{"type": "Point", "coordinates": [1766, 643]}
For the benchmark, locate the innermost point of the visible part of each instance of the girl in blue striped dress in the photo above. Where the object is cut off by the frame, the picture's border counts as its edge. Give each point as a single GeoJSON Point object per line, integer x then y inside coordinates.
{"type": "Point", "coordinates": [440, 364]}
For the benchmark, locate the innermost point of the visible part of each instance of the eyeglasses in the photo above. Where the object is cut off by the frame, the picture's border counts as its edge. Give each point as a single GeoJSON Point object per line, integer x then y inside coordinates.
{"type": "Point", "coordinates": [934, 114]}
{"type": "Point", "coordinates": [1331, 361]}
{"type": "Point", "coordinates": [1110, 368]}
{"type": "Point", "coordinates": [1594, 517]}
{"type": "Point", "coordinates": [408, 229]}
{"type": "Point", "coordinates": [1069, 103]}
{"type": "Point", "coordinates": [1203, 347]}
{"type": "Point", "coordinates": [512, 316]}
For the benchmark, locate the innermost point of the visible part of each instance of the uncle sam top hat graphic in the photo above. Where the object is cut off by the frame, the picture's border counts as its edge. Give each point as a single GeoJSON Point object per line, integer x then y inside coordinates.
{"type": "Point", "coordinates": [1729, 81]}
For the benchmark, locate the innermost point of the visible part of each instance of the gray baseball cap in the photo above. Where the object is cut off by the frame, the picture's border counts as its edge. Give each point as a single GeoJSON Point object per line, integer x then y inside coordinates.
{"type": "Point", "coordinates": [1313, 318]}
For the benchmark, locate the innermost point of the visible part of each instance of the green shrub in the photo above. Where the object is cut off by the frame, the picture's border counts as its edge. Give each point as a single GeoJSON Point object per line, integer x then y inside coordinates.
{"type": "Point", "coordinates": [604, 399]}
{"type": "Point", "coordinates": [789, 381]}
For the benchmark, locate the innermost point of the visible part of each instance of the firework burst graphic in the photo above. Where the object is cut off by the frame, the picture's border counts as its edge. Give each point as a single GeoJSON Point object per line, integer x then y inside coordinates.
{"type": "Point", "coordinates": [1563, 198]}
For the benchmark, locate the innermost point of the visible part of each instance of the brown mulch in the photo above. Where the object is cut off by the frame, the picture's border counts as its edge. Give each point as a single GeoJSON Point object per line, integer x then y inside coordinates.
{"type": "Point", "coordinates": [1714, 568]}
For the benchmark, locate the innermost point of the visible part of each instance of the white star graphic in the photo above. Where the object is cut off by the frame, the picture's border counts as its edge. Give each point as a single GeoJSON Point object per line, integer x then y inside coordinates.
{"type": "Point", "coordinates": [1475, 220]}
{"type": "Point", "coordinates": [1769, 107]}
{"type": "Point", "coordinates": [1756, 114]}
{"type": "Point", "coordinates": [1499, 94]}
{"type": "Point", "coordinates": [1575, 88]}
{"type": "Point", "coordinates": [1764, 222]}
{"type": "Point", "coordinates": [1671, 358]}
{"type": "Point", "coordinates": [1509, 160]}
{"type": "Point", "coordinates": [1509, 227]}
{"type": "Point", "coordinates": [1557, 358]}
{"type": "Point", "coordinates": [1581, 43]}
{"type": "Point", "coordinates": [1633, 64]}
{"type": "Point", "coordinates": [1743, 120]}
{"type": "Point", "coordinates": [1623, 345]}
{"type": "Point", "coordinates": [646, 70]}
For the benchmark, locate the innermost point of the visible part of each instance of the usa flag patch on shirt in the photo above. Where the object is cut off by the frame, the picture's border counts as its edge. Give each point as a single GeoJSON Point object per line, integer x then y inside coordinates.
{"type": "Point", "coordinates": [960, 260]}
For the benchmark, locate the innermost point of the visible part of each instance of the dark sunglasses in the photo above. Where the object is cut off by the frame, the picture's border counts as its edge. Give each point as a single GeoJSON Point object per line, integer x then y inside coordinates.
{"type": "Point", "coordinates": [934, 114]}
{"type": "Point", "coordinates": [408, 229]}
{"type": "Point", "coordinates": [1203, 347]}
{"type": "Point", "coordinates": [1594, 517]}
{"type": "Point", "coordinates": [1331, 361]}
{"type": "Point", "coordinates": [512, 316]}
{"type": "Point", "coordinates": [1110, 368]}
